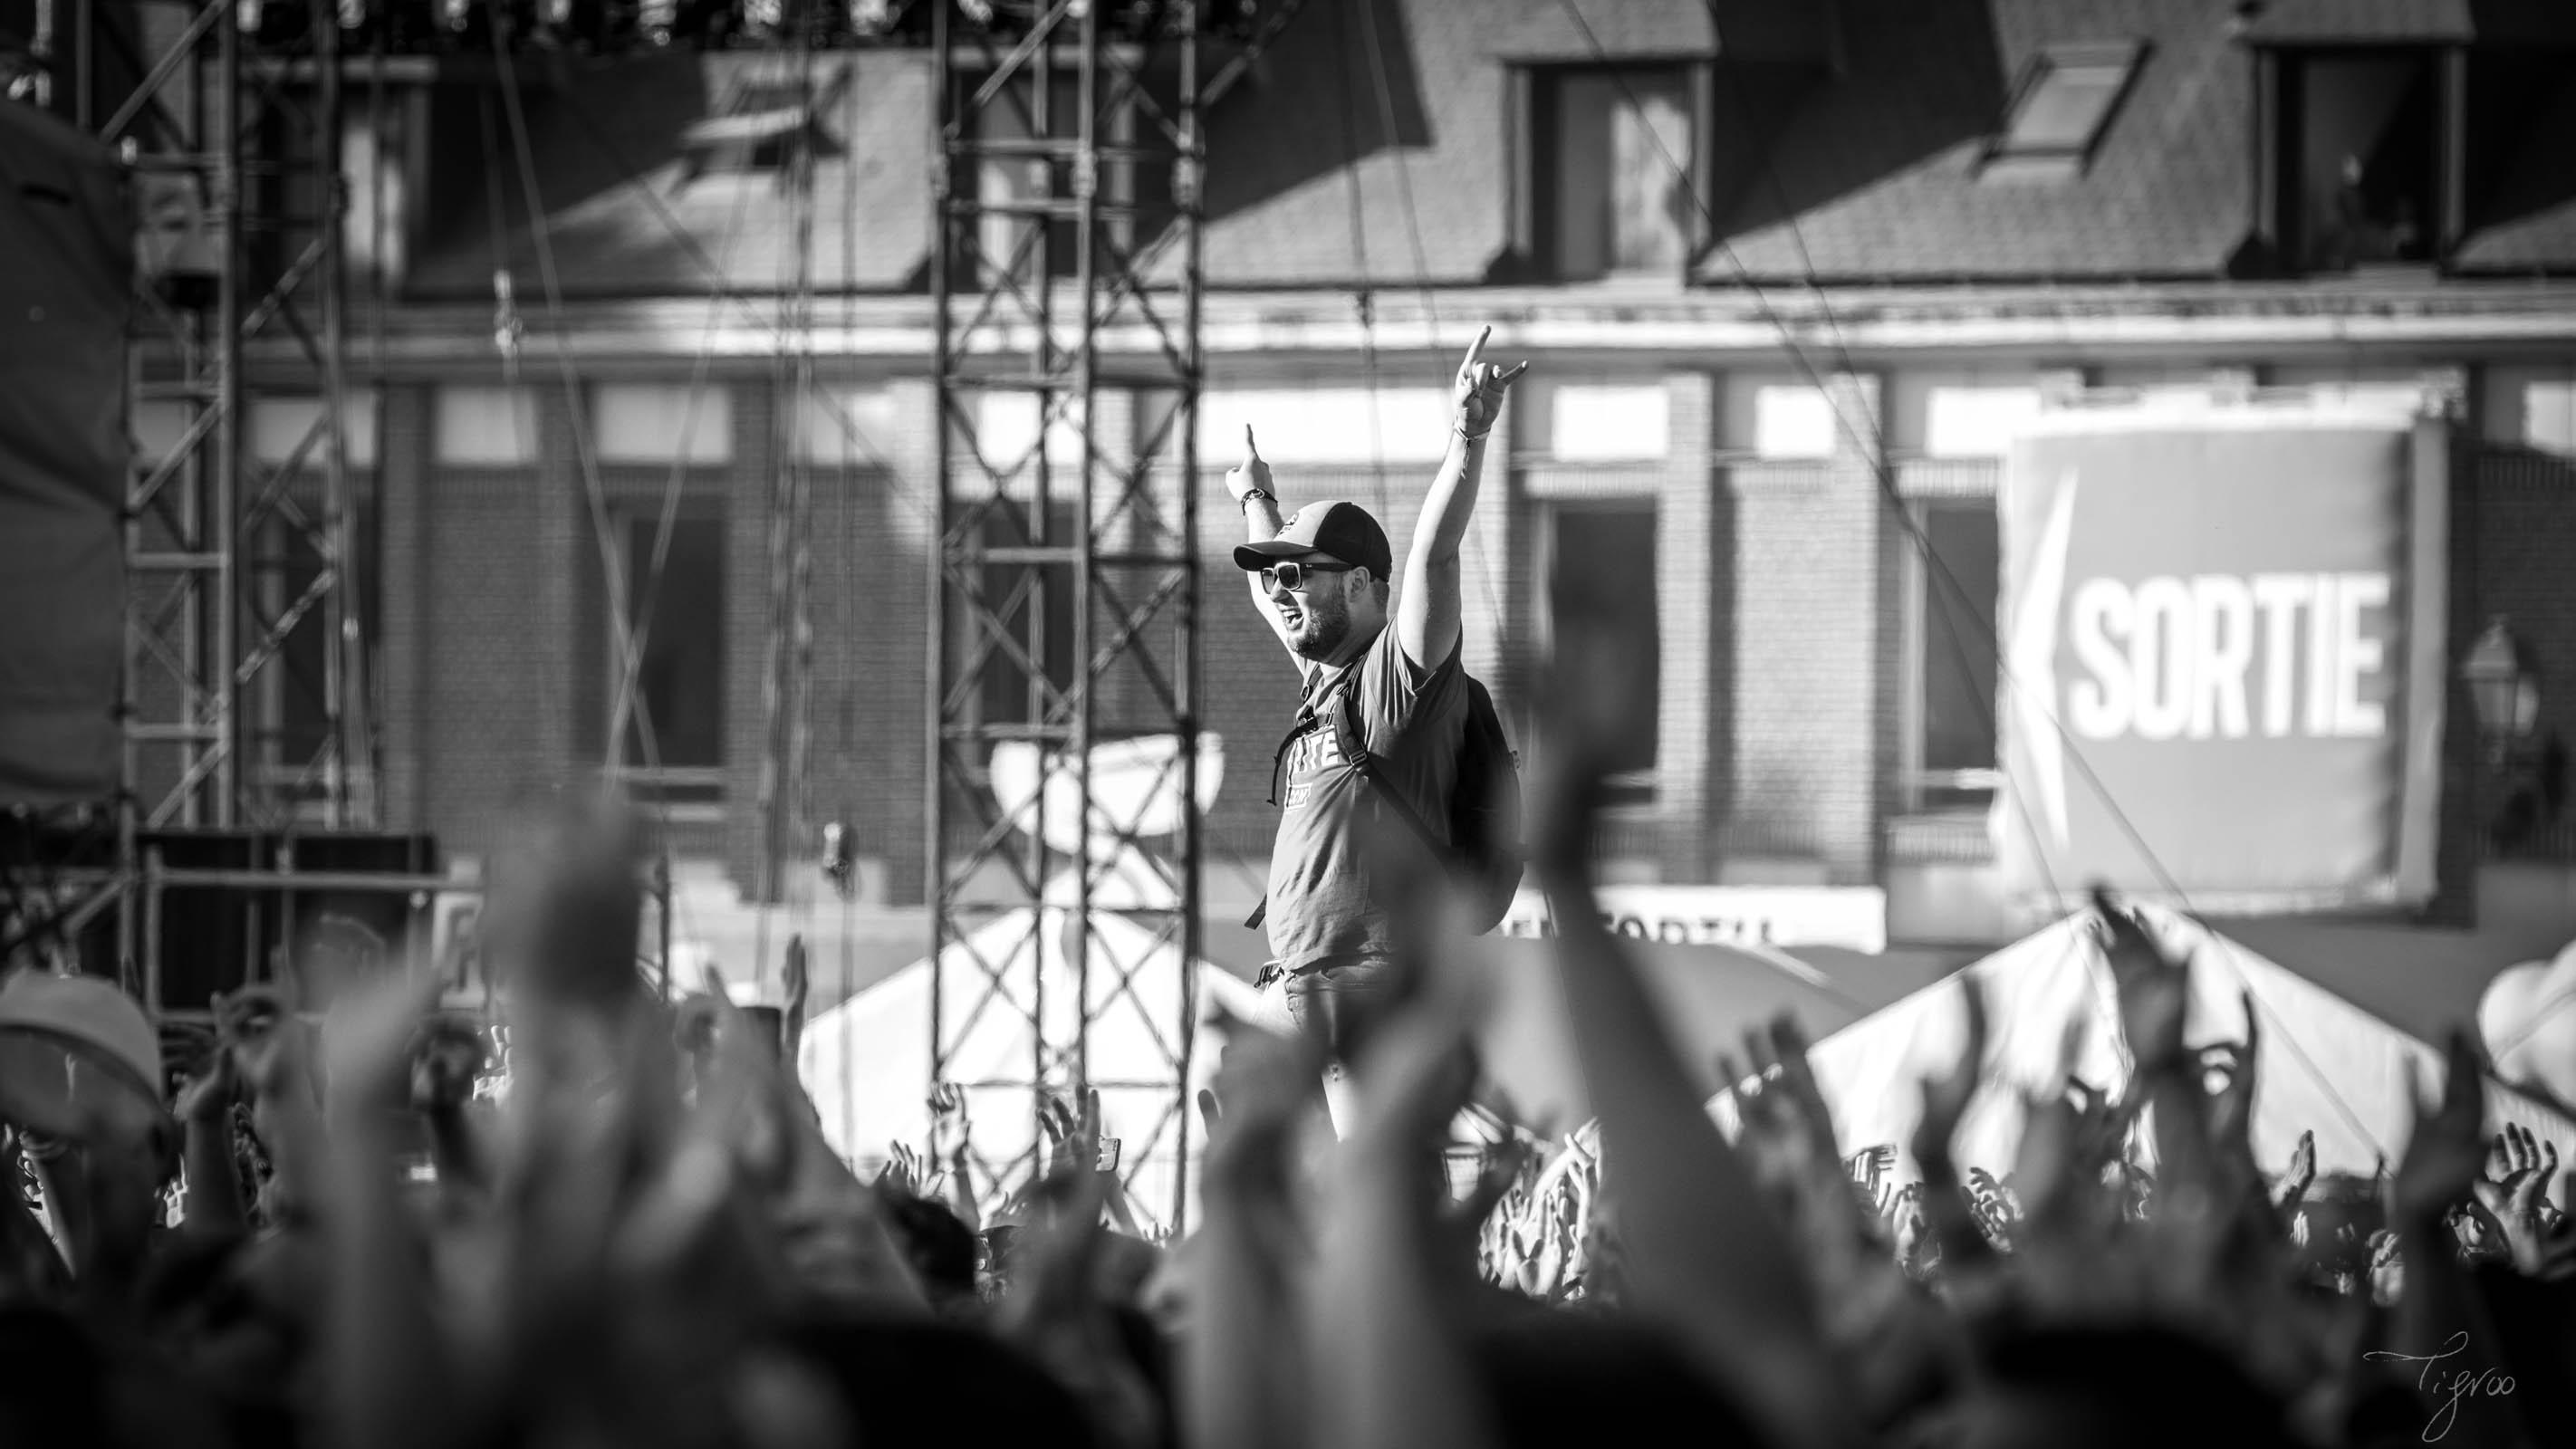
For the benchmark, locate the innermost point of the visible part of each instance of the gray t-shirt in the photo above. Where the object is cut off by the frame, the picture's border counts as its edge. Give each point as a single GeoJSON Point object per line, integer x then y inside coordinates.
{"type": "Point", "coordinates": [1321, 909]}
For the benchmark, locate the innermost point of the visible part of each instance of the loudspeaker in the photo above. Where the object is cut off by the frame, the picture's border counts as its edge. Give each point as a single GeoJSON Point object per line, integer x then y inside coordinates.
{"type": "Point", "coordinates": [206, 937]}
{"type": "Point", "coordinates": [330, 939]}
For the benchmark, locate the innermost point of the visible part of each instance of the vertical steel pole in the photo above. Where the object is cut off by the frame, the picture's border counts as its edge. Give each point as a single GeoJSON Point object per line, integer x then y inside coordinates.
{"type": "Point", "coordinates": [1189, 175]}
{"type": "Point", "coordinates": [339, 619]}
{"type": "Point", "coordinates": [219, 523]}
{"type": "Point", "coordinates": [934, 860]}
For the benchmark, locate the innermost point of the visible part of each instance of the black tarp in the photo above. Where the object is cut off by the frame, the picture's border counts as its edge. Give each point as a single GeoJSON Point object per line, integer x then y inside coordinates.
{"type": "Point", "coordinates": [66, 260]}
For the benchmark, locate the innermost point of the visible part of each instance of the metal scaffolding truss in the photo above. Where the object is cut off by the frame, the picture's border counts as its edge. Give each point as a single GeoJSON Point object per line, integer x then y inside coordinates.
{"type": "Point", "coordinates": [238, 520]}
{"type": "Point", "coordinates": [237, 547]}
{"type": "Point", "coordinates": [1064, 597]}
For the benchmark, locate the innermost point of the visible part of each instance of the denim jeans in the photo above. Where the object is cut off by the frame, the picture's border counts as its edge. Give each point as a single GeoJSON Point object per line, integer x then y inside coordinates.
{"type": "Point", "coordinates": [1327, 1003]}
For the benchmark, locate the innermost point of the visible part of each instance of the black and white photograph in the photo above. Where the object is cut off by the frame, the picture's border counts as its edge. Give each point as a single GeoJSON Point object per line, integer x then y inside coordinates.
{"type": "Point", "coordinates": [1287, 724]}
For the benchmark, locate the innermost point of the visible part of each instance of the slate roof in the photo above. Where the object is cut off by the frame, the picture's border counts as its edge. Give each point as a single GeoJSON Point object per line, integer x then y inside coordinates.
{"type": "Point", "coordinates": [2531, 215]}
{"type": "Point", "coordinates": [2366, 21]}
{"type": "Point", "coordinates": [1320, 178]}
{"type": "Point", "coordinates": [2362, 20]}
{"type": "Point", "coordinates": [1880, 166]}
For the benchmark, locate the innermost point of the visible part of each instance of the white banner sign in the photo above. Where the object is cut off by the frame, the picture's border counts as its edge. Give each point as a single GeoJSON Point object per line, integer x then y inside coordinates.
{"type": "Point", "coordinates": [1852, 917]}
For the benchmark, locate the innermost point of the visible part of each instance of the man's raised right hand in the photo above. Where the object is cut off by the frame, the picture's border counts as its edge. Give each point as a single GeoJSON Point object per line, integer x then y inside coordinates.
{"type": "Point", "coordinates": [1249, 474]}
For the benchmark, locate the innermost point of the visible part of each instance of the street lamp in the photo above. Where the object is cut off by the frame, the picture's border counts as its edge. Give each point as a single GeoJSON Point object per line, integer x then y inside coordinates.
{"type": "Point", "coordinates": [2503, 691]}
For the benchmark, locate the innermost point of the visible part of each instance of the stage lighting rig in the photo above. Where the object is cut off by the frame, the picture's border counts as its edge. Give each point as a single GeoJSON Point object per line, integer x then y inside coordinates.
{"type": "Point", "coordinates": [704, 24]}
{"type": "Point", "coordinates": [272, 24]}
{"type": "Point", "coordinates": [403, 27]}
{"type": "Point", "coordinates": [465, 24]}
{"type": "Point", "coordinates": [872, 19]}
{"type": "Point", "coordinates": [781, 22]}
{"type": "Point", "coordinates": [592, 26]}
{"type": "Point", "coordinates": [1236, 20]}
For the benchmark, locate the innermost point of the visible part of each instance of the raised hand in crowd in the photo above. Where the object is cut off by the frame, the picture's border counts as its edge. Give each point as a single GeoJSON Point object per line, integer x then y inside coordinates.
{"type": "Point", "coordinates": [1705, 1254]}
{"type": "Point", "coordinates": [906, 1173]}
{"type": "Point", "coordinates": [1388, 1343]}
{"type": "Point", "coordinates": [276, 1061]}
{"type": "Point", "coordinates": [31, 1268]}
{"type": "Point", "coordinates": [2514, 1195]}
{"type": "Point", "coordinates": [1962, 1244]}
{"type": "Point", "coordinates": [796, 979]}
{"type": "Point", "coordinates": [952, 1151]}
{"type": "Point", "coordinates": [448, 1055]}
{"type": "Point", "coordinates": [2299, 1177]}
{"type": "Point", "coordinates": [2444, 1159]}
{"type": "Point", "coordinates": [204, 1107]}
{"type": "Point", "coordinates": [1244, 1374]}
{"type": "Point", "coordinates": [1055, 1310]}
{"type": "Point", "coordinates": [1996, 1210]}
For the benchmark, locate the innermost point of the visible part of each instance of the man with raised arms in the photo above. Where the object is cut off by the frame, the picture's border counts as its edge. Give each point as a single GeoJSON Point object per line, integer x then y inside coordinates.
{"type": "Point", "coordinates": [1324, 579]}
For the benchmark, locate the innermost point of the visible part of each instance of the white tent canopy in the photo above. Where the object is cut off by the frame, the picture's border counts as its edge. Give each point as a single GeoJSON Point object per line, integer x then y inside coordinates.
{"type": "Point", "coordinates": [866, 1062]}
{"type": "Point", "coordinates": [2326, 1065]}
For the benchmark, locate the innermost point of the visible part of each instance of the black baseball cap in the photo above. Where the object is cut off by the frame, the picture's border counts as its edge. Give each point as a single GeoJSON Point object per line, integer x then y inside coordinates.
{"type": "Point", "coordinates": [1334, 527]}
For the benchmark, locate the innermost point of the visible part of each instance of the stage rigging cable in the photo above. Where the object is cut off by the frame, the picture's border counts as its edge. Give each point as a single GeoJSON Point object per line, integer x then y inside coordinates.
{"type": "Point", "coordinates": [1872, 443]}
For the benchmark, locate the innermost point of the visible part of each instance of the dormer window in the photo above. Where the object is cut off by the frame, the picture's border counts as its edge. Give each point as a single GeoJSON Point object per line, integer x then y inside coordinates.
{"type": "Point", "coordinates": [2060, 110]}
{"type": "Point", "coordinates": [2357, 157]}
{"type": "Point", "coordinates": [1608, 171]}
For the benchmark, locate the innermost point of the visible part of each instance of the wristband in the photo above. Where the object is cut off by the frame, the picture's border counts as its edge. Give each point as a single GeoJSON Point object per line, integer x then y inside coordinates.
{"type": "Point", "coordinates": [1249, 494]}
{"type": "Point", "coordinates": [1462, 432]}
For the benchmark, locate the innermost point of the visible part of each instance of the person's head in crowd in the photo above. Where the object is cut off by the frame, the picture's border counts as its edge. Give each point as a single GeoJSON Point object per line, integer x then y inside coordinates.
{"type": "Point", "coordinates": [940, 1248]}
{"type": "Point", "coordinates": [2333, 1226]}
{"type": "Point", "coordinates": [1557, 1378]}
{"type": "Point", "coordinates": [2117, 1388]}
{"type": "Point", "coordinates": [1126, 1266]}
{"type": "Point", "coordinates": [931, 1383]}
{"type": "Point", "coordinates": [53, 1381]}
{"type": "Point", "coordinates": [647, 1250]}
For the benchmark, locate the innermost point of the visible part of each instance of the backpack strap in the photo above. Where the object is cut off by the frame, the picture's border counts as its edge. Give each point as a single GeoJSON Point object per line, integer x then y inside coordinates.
{"type": "Point", "coordinates": [1355, 749]}
{"type": "Point", "coordinates": [1345, 724]}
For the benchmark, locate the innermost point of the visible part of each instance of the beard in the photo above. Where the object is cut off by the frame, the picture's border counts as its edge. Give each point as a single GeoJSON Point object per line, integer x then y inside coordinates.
{"type": "Point", "coordinates": [1318, 623]}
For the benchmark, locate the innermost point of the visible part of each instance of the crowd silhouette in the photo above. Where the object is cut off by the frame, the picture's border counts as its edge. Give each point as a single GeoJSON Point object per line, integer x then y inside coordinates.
{"type": "Point", "coordinates": [645, 1240]}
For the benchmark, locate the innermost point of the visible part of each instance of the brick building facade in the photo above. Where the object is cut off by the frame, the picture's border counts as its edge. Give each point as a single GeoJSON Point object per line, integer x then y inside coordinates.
{"type": "Point", "coordinates": [1949, 212]}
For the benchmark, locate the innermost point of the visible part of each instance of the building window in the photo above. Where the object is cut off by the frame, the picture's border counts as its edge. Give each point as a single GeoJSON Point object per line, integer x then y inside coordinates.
{"type": "Point", "coordinates": [1597, 422]}
{"type": "Point", "coordinates": [485, 427]}
{"type": "Point", "coordinates": [672, 750]}
{"type": "Point", "coordinates": [1793, 423]}
{"type": "Point", "coordinates": [1323, 425]}
{"type": "Point", "coordinates": [2549, 417]}
{"type": "Point", "coordinates": [2359, 138]}
{"type": "Point", "coordinates": [846, 427]}
{"type": "Point", "coordinates": [1950, 734]}
{"type": "Point", "coordinates": [662, 423]}
{"type": "Point", "coordinates": [1976, 422]}
{"type": "Point", "coordinates": [281, 426]}
{"type": "Point", "coordinates": [1599, 555]}
{"type": "Point", "coordinates": [2060, 109]}
{"type": "Point", "coordinates": [1612, 161]}
{"type": "Point", "coordinates": [288, 706]}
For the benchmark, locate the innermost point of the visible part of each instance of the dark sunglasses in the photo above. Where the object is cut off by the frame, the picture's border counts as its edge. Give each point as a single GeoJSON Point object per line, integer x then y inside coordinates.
{"type": "Point", "coordinates": [1293, 575]}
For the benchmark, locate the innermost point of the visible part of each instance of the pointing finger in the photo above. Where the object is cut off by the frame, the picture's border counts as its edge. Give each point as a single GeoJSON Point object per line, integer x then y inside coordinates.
{"type": "Point", "coordinates": [1251, 454]}
{"type": "Point", "coordinates": [1475, 350]}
